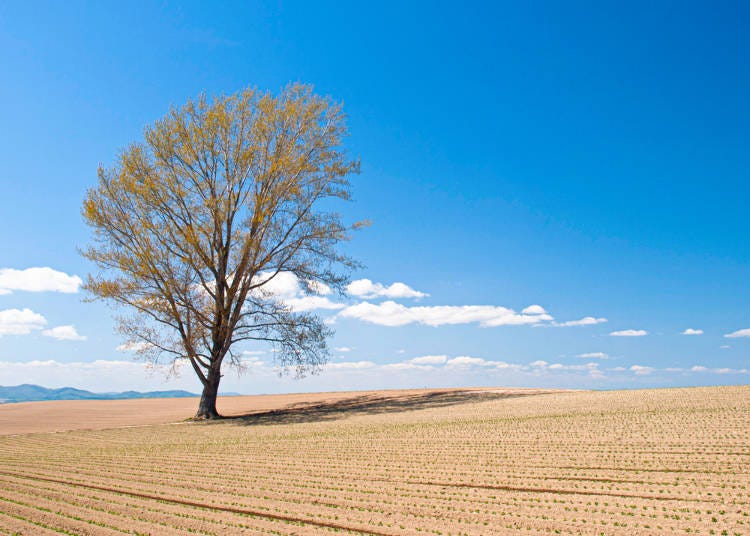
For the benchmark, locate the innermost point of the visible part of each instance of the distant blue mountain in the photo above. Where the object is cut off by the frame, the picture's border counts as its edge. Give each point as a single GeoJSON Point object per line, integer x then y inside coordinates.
{"type": "Point", "coordinates": [34, 393]}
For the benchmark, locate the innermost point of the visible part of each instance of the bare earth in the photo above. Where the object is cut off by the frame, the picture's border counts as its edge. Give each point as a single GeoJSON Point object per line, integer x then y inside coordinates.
{"type": "Point", "coordinates": [67, 415]}
{"type": "Point", "coordinates": [501, 461]}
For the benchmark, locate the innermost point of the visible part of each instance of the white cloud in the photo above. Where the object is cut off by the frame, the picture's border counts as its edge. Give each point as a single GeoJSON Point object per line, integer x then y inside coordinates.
{"type": "Point", "coordinates": [738, 334]}
{"type": "Point", "coordinates": [433, 371]}
{"type": "Point", "coordinates": [406, 366]}
{"type": "Point", "coordinates": [343, 349]}
{"type": "Point", "coordinates": [514, 319]}
{"type": "Point", "coordinates": [699, 369]}
{"type": "Point", "coordinates": [287, 288]}
{"type": "Point", "coordinates": [51, 363]}
{"type": "Point", "coordinates": [596, 374]}
{"type": "Point", "coordinates": [467, 364]}
{"type": "Point", "coordinates": [134, 347]}
{"type": "Point", "coordinates": [428, 360]}
{"type": "Point", "coordinates": [724, 346]}
{"type": "Point", "coordinates": [351, 365]}
{"type": "Point", "coordinates": [562, 366]}
{"type": "Point", "coordinates": [251, 362]}
{"type": "Point", "coordinates": [20, 321]}
{"type": "Point", "coordinates": [691, 331]}
{"type": "Point", "coordinates": [64, 333]}
{"type": "Point", "coordinates": [308, 303]}
{"type": "Point", "coordinates": [731, 371]}
{"type": "Point", "coordinates": [283, 285]}
{"type": "Point", "coordinates": [541, 367]}
{"type": "Point", "coordinates": [366, 289]}
{"type": "Point", "coordinates": [629, 333]}
{"type": "Point", "coordinates": [390, 313]}
{"type": "Point", "coordinates": [724, 370]}
{"type": "Point", "coordinates": [464, 360]}
{"type": "Point", "coordinates": [594, 355]}
{"type": "Point", "coordinates": [585, 321]}
{"type": "Point", "coordinates": [468, 361]}
{"type": "Point", "coordinates": [42, 279]}
{"type": "Point", "coordinates": [316, 287]}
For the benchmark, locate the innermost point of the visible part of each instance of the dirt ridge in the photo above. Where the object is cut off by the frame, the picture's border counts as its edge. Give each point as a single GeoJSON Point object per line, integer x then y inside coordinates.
{"type": "Point", "coordinates": [194, 504]}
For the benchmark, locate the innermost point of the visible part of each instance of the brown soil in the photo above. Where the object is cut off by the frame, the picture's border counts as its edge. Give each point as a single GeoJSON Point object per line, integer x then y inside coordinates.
{"type": "Point", "coordinates": [440, 462]}
{"type": "Point", "coordinates": [66, 415]}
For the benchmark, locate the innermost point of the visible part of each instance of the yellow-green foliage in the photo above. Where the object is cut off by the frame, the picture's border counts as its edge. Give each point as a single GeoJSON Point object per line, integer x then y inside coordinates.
{"type": "Point", "coordinates": [219, 192]}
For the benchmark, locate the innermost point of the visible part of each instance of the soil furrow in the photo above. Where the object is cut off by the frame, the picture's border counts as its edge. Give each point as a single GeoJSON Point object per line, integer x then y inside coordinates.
{"type": "Point", "coordinates": [205, 506]}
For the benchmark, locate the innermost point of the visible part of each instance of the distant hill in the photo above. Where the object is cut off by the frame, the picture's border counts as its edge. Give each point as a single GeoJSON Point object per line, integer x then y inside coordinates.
{"type": "Point", "coordinates": [35, 393]}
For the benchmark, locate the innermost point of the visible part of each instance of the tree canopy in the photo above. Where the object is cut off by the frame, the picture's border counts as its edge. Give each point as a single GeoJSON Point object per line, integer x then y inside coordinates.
{"type": "Point", "coordinates": [191, 225]}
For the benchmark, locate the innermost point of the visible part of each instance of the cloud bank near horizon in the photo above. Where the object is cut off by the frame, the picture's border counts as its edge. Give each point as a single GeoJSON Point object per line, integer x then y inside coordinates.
{"type": "Point", "coordinates": [367, 301]}
{"type": "Point", "coordinates": [420, 371]}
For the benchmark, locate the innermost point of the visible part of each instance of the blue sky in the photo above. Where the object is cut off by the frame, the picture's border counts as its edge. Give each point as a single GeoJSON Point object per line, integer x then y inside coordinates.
{"type": "Point", "coordinates": [589, 158]}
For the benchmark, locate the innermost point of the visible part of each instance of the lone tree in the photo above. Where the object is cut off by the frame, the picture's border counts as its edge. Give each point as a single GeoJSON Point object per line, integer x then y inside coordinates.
{"type": "Point", "coordinates": [193, 224]}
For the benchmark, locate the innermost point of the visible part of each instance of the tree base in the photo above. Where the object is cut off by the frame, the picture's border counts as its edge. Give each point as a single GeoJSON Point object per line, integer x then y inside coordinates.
{"type": "Point", "coordinates": [207, 405]}
{"type": "Point", "coordinates": [209, 417]}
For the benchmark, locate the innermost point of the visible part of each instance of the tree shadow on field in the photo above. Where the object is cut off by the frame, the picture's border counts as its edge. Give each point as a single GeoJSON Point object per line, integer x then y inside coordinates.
{"type": "Point", "coordinates": [370, 404]}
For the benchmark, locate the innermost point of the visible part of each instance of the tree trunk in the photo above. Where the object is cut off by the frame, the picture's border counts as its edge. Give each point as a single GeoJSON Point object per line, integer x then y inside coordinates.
{"type": "Point", "coordinates": [207, 406]}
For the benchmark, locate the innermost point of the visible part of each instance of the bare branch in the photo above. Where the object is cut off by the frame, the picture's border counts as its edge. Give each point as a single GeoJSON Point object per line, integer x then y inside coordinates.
{"type": "Point", "coordinates": [219, 192]}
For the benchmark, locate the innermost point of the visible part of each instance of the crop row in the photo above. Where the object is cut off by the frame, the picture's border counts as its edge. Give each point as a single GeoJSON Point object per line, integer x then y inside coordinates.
{"type": "Point", "coordinates": [675, 462]}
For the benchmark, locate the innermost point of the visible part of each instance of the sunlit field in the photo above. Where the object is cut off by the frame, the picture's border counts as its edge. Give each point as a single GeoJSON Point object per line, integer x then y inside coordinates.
{"type": "Point", "coordinates": [672, 461]}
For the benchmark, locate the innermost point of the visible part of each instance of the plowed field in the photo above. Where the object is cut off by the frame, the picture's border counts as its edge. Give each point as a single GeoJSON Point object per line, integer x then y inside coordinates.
{"type": "Point", "coordinates": [672, 461]}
